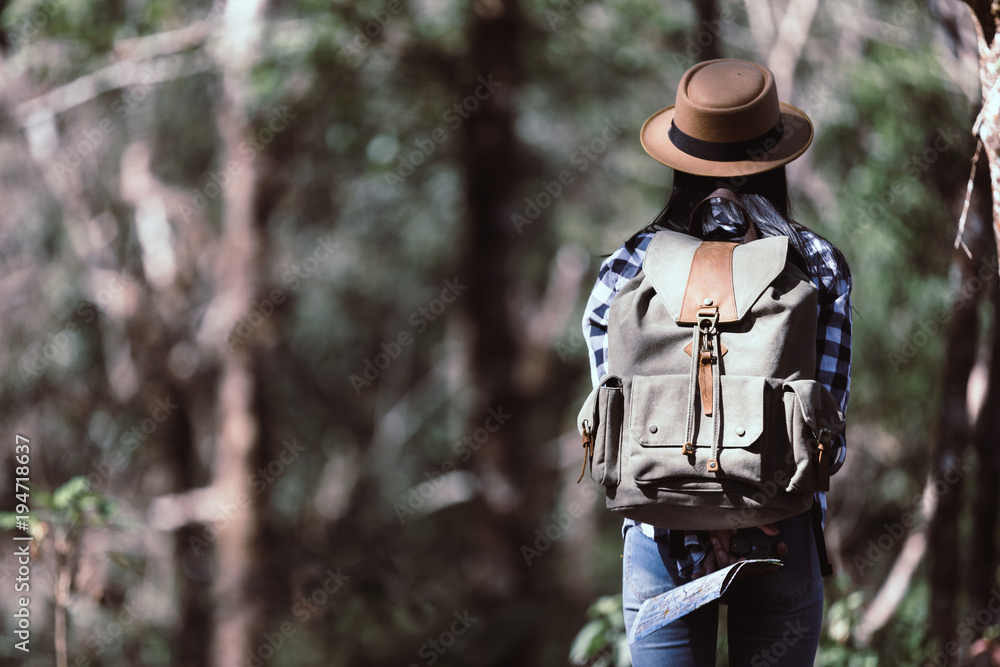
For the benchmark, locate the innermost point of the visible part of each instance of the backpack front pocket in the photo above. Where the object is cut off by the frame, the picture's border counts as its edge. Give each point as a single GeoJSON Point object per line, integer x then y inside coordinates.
{"type": "Point", "coordinates": [659, 407]}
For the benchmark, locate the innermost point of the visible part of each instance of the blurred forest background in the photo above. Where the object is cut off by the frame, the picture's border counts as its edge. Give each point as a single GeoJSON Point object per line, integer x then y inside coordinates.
{"type": "Point", "coordinates": [291, 295]}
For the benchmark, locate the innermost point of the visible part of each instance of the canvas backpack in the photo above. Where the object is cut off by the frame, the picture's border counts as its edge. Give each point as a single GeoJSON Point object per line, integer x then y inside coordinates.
{"type": "Point", "coordinates": [709, 416]}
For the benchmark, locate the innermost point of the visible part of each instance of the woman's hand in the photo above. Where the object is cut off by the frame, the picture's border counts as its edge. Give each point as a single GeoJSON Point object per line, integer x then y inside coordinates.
{"type": "Point", "coordinates": [718, 556]}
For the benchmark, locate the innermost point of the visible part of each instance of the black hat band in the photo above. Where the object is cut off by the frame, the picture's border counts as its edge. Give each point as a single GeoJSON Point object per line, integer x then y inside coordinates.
{"type": "Point", "coordinates": [732, 151]}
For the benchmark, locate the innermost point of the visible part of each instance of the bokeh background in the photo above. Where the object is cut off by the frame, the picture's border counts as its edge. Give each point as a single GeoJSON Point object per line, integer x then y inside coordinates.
{"type": "Point", "coordinates": [291, 296]}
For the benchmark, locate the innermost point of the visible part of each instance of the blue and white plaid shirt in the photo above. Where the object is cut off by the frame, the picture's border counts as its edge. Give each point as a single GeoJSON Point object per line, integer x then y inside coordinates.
{"type": "Point", "coordinates": [830, 274]}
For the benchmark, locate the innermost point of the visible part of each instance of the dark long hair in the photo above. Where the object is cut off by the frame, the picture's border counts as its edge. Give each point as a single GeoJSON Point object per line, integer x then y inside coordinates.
{"type": "Point", "coordinates": [763, 195]}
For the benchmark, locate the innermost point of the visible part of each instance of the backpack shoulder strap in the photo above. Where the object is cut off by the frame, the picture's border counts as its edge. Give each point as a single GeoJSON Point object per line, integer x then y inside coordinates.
{"type": "Point", "coordinates": [730, 196]}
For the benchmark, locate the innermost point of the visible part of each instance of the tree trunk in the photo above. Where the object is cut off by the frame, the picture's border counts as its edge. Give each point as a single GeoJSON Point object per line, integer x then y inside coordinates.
{"type": "Point", "coordinates": [952, 438]}
{"type": "Point", "coordinates": [954, 434]}
{"type": "Point", "coordinates": [491, 160]}
{"type": "Point", "coordinates": [954, 430]}
{"type": "Point", "coordinates": [240, 264]}
{"type": "Point", "coordinates": [710, 27]}
{"type": "Point", "coordinates": [988, 124]}
{"type": "Point", "coordinates": [518, 487]}
{"type": "Point", "coordinates": [983, 553]}
{"type": "Point", "coordinates": [983, 560]}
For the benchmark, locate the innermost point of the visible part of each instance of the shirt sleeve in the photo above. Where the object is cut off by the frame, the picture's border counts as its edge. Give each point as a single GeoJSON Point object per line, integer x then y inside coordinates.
{"type": "Point", "coordinates": [616, 270]}
{"type": "Point", "coordinates": [833, 332]}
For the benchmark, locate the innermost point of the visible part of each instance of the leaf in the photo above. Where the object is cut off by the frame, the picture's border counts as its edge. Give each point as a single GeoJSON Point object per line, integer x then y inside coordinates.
{"type": "Point", "coordinates": [106, 508]}
{"type": "Point", "coordinates": [608, 605]}
{"type": "Point", "coordinates": [588, 641]}
{"type": "Point", "coordinates": [8, 520]}
{"type": "Point", "coordinates": [624, 658]}
{"type": "Point", "coordinates": [69, 491]}
{"type": "Point", "coordinates": [40, 498]}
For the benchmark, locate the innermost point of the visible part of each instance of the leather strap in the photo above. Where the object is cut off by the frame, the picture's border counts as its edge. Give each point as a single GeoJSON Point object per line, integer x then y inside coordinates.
{"type": "Point", "coordinates": [710, 283]}
{"type": "Point", "coordinates": [705, 380]}
{"type": "Point", "coordinates": [816, 515]}
{"type": "Point", "coordinates": [721, 352]}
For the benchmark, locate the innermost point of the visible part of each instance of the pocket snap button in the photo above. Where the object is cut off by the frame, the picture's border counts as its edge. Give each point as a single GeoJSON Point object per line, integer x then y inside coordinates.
{"type": "Point", "coordinates": [741, 432]}
{"type": "Point", "coordinates": [652, 428]}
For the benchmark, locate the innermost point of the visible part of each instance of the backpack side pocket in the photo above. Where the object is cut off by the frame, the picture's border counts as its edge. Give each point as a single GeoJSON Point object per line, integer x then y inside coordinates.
{"type": "Point", "coordinates": [608, 434]}
{"type": "Point", "coordinates": [813, 419]}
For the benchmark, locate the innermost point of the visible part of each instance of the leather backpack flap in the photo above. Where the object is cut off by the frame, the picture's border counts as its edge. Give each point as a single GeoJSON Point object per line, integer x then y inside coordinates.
{"type": "Point", "coordinates": [710, 283]}
{"type": "Point", "coordinates": [685, 271]}
{"type": "Point", "coordinates": [720, 279]}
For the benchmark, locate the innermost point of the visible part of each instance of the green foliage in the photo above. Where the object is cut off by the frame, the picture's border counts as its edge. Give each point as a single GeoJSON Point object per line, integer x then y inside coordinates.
{"type": "Point", "coordinates": [902, 638]}
{"type": "Point", "coordinates": [603, 641]}
{"type": "Point", "coordinates": [71, 507]}
{"type": "Point", "coordinates": [8, 520]}
{"type": "Point", "coordinates": [872, 76]}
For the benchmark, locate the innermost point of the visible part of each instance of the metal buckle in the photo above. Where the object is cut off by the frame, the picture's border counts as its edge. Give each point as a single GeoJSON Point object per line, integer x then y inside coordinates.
{"type": "Point", "coordinates": [708, 318]}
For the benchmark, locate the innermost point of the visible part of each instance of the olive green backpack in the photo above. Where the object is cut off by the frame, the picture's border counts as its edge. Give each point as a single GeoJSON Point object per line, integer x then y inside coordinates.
{"type": "Point", "coordinates": [709, 415]}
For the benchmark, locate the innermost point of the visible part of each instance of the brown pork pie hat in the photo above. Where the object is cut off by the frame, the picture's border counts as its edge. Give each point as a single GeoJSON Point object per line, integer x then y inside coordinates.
{"type": "Point", "coordinates": [727, 122]}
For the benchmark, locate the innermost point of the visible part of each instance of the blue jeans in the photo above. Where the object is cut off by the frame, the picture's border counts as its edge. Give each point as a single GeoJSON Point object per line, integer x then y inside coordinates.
{"type": "Point", "coordinates": [774, 618]}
